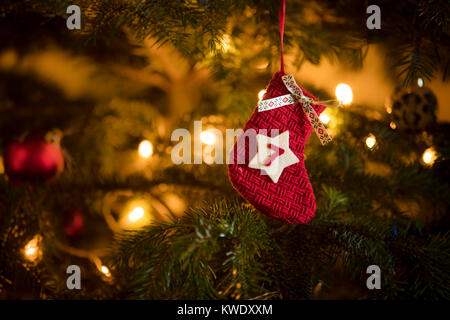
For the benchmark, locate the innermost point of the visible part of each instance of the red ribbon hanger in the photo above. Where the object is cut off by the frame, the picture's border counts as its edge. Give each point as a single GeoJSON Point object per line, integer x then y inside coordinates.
{"type": "Point", "coordinates": [282, 17]}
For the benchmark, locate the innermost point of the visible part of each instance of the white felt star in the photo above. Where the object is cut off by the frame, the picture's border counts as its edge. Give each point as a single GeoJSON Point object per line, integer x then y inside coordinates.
{"type": "Point", "coordinates": [273, 155]}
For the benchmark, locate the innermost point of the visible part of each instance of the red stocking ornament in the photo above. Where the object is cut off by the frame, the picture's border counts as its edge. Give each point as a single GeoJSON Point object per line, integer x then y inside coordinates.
{"type": "Point", "coordinates": [267, 163]}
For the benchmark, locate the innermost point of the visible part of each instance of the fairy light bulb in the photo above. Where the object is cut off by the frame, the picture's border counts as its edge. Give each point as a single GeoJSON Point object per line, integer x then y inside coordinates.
{"type": "Point", "coordinates": [100, 266]}
{"type": "Point", "coordinates": [226, 43]}
{"type": "Point", "coordinates": [420, 82]}
{"type": "Point", "coordinates": [145, 149]}
{"type": "Point", "coordinates": [32, 250]}
{"type": "Point", "coordinates": [207, 137]}
{"type": "Point", "coordinates": [344, 93]}
{"type": "Point", "coordinates": [105, 270]}
{"type": "Point", "coordinates": [325, 118]}
{"type": "Point", "coordinates": [393, 125]}
{"type": "Point", "coordinates": [261, 94]}
{"type": "Point", "coordinates": [371, 141]}
{"type": "Point", "coordinates": [429, 156]}
{"type": "Point", "coordinates": [136, 214]}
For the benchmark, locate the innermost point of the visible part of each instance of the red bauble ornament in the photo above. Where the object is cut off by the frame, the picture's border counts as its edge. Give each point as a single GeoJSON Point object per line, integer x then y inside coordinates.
{"type": "Point", "coordinates": [33, 160]}
{"type": "Point", "coordinates": [73, 224]}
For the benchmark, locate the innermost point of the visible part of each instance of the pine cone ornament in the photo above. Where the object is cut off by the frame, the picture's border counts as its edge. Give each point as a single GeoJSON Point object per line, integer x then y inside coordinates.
{"type": "Point", "coordinates": [414, 109]}
{"type": "Point", "coordinates": [272, 176]}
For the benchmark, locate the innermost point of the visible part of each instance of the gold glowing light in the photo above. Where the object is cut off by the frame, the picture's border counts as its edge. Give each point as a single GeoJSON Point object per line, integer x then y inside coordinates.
{"type": "Point", "coordinates": [145, 149]}
{"type": "Point", "coordinates": [393, 125]}
{"type": "Point", "coordinates": [324, 118]}
{"type": "Point", "coordinates": [429, 156]}
{"type": "Point", "coordinates": [100, 266]}
{"type": "Point", "coordinates": [32, 250]}
{"type": "Point", "coordinates": [207, 137]}
{"type": "Point", "coordinates": [420, 82]}
{"type": "Point", "coordinates": [136, 214]}
{"type": "Point", "coordinates": [261, 94]}
{"type": "Point", "coordinates": [371, 141]}
{"type": "Point", "coordinates": [105, 271]}
{"type": "Point", "coordinates": [226, 43]}
{"type": "Point", "coordinates": [344, 93]}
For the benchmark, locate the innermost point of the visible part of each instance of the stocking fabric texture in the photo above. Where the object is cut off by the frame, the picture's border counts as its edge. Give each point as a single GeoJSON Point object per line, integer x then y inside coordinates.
{"type": "Point", "coordinates": [288, 197]}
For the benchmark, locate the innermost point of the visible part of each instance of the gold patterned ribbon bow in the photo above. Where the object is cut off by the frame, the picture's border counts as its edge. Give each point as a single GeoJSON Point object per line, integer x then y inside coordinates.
{"type": "Point", "coordinates": [297, 96]}
{"type": "Point", "coordinates": [305, 102]}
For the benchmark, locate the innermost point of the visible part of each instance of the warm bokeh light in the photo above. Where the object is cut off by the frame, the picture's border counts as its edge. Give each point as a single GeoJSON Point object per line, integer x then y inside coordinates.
{"type": "Point", "coordinates": [371, 141]}
{"type": "Point", "coordinates": [429, 156]}
{"type": "Point", "coordinates": [175, 203]}
{"type": "Point", "coordinates": [389, 110]}
{"type": "Point", "coordinates": [344, 93]}
{"type": "Point", "coordinates": [136, 214]}
{"type": "Point", "coordinates": [420, 82]}
{"type": "Point", "coordinates": [393, 125]}
{"type": "Point", "coordinates": [145, 149]}
{"type": "Point", "coordinates": [226, 43]}
{"type": "Point", "coordinates": [105, 271]}
{"type": "Point", "coordinates": [207, 137]}
{"type": "Point", "coordinates": [261, 94]}
{"type": "Point", "coordinates": [324, 118]}
{"type": "Point", "coordinates": [32, 250]}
